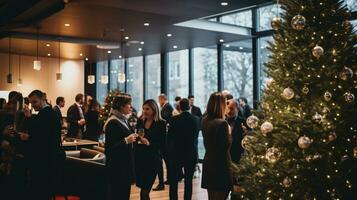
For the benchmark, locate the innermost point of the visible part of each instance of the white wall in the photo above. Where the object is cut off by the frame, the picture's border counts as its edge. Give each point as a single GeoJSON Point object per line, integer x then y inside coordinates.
{"type": "Point", "coordinates": [45, 79]}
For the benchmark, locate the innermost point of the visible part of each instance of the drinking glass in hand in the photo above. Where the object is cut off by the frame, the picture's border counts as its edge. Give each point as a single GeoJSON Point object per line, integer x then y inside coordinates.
{"type": "Point", "coordinates": [141, 134]}
{"type": "Point", "coordinates": [133, 122]}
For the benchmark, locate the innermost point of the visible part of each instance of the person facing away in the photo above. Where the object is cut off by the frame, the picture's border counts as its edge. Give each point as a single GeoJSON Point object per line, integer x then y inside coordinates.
{"type": "Point", "coordinates": [177, 109]}
{"type": "Point", "coordinates": [119, 148]}
{"type": "Point", "coordinates": [147, 150]}
{"type": "Point", "coordinates": [60, 102]}
{"type": "Point", "coordinates": [236, 124]}
{"type": "Point", "coordinates": [216, 173]}
{"type": "Point", "coordinates": [183, 149]}
{"type": "Point", "coordinates": [92, 121]}
{"type": "Point", "coordinates": [75, 118]}
{"type": "Point", "coordinates": [194, 109]}
{"type": "Point", "coordinates": [45, 154]}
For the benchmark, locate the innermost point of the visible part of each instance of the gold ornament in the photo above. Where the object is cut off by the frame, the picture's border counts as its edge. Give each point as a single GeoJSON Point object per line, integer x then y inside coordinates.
{"type": "Point", "coordinates": [286, 182]}
{"type": "Point", "coordinates": [325, 110]}
{"type": "Point", "coordinates": [355, 152]}
{"type": "Point", "coordinates": [272, 154]}
{"type": "Point", "coordinates": [305, 90]}
{"type": "Point", "coordinates": [317, 51]}
{"type": "Point", "coordinates": [347, 25]}
{"type": "Point", "coordinates": [298, 22]}
{"type": "Point", "coordinates": [332, 136]}
{"type": "Point", "coordinates": [288, 93]}
{"type": "Point", "coordinates": [346, 73]}
{"type": "Point", "coordinates": [246, 141]}
{"type": "Point", "coordinates": [266, 128]}
{"type": "Point", "coordinates": [349, 97]}
{"type": "Point", "coordinates": [317, 118]}
{"type": "Point", "coordinates": [327, 96]}
{"type": "Point", "coordinates": [276, 23]}
{"type": "Point", "coordinates": [252, 121]}
{"type": "Point", "coordinates": [270, 82]}
{"type": "Point", "coordinates": [304, 142]}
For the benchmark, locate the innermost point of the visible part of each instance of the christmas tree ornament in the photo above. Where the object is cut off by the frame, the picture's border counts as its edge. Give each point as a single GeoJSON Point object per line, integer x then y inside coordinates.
{"type": "Point", "coordinates": [298, 22]}
{"type": "Point", "coordinates": [305, 90]}
{"type": "Point", "coordinates": [246, 141]}
{"type": "Point", "coordinates": [355, 152]}
{"type": "Point", "coordinates": [349, 97]}
{"type": "Point", "coordinates": [270, 82]}
{"type": "Point", "coordinates": [317, 51]}
{"type": "Point", "coordinates": [276, 23]}
{"type": "Point", "coordinates": [346, 73]}
{"type": "Point", "coordinates": [304, 142]}
{"type": "Point", "coordinates": [265, 105]}
{"type": "Point", "coordinates": [259, 174]}
{"type": "Point", "coordinates": [317, 118]}
{"type": "Point", "coordinates": [272, 154]}
{"type": "Point", "coordinates": [288, 93]}
{"type": "Point", "coordinates": [326, 110]}
{"type": "Point", "coordinates": [332, 136]}
{"type": "Point", "coordinates": [252, 121]}
{"type": "Point", "coordinates": [327, 96]}
{"type": "Point", "coordinates": [286, 182]}
{"type": "Point", "coordinates": [347, 25]}
{"type": "Point", "coordinates": [266, 128]}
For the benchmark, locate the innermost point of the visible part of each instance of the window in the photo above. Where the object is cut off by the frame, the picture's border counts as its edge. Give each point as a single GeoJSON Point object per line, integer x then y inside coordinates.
{"type": "Point", "coordinates": [263, 58]}
{"type": "Point", "coordinates": [178, 69]}
{"type": "Point", "coordinates": [102, 88]}
{"type": "Point", "coordinates": [153, 76]}
{"type": "Point", "coordinates": [135, 81]}
{"type": "Point", "coordinates": [205, 81]}
{"type": "Point", "coordinates": [117, 71]}
{"type": "Point", "coordinates": [351, 4]}
{"type": "Point", "coordinates": [265, 15]}
{"type": "Point", "coordinates": [238, 69]}
{"type": "Point", "coordinates": [243, 18]}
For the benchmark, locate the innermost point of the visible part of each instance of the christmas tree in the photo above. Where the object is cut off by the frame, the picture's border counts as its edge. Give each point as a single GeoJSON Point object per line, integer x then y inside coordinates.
{"type": "Point", "coordinates": [303, 144]}
{"type": "Point", "coordinates": [105, 111]}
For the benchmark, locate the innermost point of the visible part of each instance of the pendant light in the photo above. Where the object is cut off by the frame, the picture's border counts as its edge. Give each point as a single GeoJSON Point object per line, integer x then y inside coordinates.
{"type": "Point", "coordinates": [59, 74]}
{"type": "Point", "coordinates": [37, 62]}
{"type": "Point", "coordinates": [9, 75]}
{"type": "Point", "coordinates": [91, 77]}
{"type": "Point", "coordinates": [121, 76]}
{"type": "Point", "coordinates": [104, 79]}
{"type": "Point", "coordinates": [19, 81]}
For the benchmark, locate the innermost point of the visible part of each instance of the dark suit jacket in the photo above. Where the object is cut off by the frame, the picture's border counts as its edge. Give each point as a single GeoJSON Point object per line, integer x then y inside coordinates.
{"type": "Point", "coordinates": [237, 136]}
{"type": "Point", "coordinates": [217, 163]}
{"type": "Point", "coordinates": [92, 125]}
{"type": "Point", "coordinates": [119, 155]}
{"type": "Point", "coordinates": [59, 113]}
{"type": "Point", "coordinates": [196, 111]}
{"type": "Point", "coordinates": [166, 112]}
{"type": "Point", "coordinates": [246, 111]}
{"type": "Point", "coordinates": [73, 116]}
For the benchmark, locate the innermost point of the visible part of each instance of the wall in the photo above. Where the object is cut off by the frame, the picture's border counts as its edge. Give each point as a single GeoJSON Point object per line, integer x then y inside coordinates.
{"type": "Point", "coordinates": [45, 79]}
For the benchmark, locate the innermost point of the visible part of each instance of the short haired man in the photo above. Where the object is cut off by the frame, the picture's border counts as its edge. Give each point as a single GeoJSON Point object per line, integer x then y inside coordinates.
{"type": "Point", "coordinates": [75, 118]}
{"type": "Point", "coordinates": [246, 110]}
{"type": "Point", "coordinates": [60, 102]}
{"type": "Point", "coordinates": [194, 109]}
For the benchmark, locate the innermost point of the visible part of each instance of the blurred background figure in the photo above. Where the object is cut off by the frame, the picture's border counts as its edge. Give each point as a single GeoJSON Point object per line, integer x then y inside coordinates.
{"type": "Point", "coordinates": [177, 109]}
{"type": "Point", "coordinates": [93, 129]}
{"type": "Point", "coordinates": [60, 103]}
{"type": "Point", "coordinates": [75, 118]}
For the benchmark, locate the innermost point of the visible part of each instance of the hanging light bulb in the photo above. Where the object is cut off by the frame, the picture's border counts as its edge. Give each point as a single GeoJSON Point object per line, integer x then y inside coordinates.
{"type": "Point", "coordinates": [9, 75]}
{"type": "Point", "coordinates": [19, 82]}
{"type": "Point", "coordinates": [121, 77]}
{"type": "Point", "coordinates": [104, 79]}
{"type": "Point", "coordinates": [91, 79]}
{"type": "Point", "coordinates": [37, 62]}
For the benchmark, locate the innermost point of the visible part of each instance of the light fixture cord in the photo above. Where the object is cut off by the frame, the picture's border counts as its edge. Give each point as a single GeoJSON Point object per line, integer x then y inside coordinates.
{"type": "Point", "coordinates": [37, 42]}
{"type": "Point", "coordinates": [9, 54]}
{"type": "Point", "coordinates": [59, 56]}
{"type": "Point", "coordinates": [19, 66]}
{"type": "Point", "coordinates": [277, 8]}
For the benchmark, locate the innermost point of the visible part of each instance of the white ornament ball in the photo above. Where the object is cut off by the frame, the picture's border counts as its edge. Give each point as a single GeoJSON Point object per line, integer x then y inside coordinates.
{"type": "Point", "coordinates": [266, 128]}
{"type": "Point", "coordinates": [252, 121]}
{"type": "Point", "coordinates": [317, 118]}
{"type": "Point", "coordinates": [288, 93]}
{"type": "Point", "coordinates": [317, 51]}
{"type": "Point", "coordinates": [327, 96]}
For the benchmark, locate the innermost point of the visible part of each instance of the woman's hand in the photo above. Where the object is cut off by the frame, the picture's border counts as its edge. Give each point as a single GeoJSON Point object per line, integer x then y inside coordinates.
{"type": "Point", "coordinates": [131, 138]}
{"type": "Point", "coordinates": [24, 136]}
{"type": "Point", "coordinates": [144, 141]}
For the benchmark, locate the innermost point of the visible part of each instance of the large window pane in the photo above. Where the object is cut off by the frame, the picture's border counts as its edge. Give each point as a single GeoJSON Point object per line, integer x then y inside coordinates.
{"type": "Point", "coordinates": [351, 4]}
{"type": "Point", "coordinates": [153, 76]}
{"type": "Point", "coordinates": [117, 69]}
{"type": "Point", "coordinates": [178, 74]}
{"type": "Point", "coordinates": [243, 18]}
{"type": "Point", "coordinates": [238, 69]}
{"type": "Point", "coordinates": [135, 81]}
{"type": "Point", "coordinates": [263, 58]}
{"type": "Point", "coordinates": [265, 15]}
{"type": "Point", "coordinates": [102, 87]}
{"type": "Point", "coordinates": [205, 81]}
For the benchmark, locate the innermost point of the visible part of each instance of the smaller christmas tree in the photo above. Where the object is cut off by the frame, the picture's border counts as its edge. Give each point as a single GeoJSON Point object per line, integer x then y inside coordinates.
{"type": "Point", "coordinates": [104, 114]}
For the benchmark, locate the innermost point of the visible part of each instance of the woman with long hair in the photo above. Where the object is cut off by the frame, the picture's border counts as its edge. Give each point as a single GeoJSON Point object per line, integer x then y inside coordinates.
{"type": "Point", "coordinates": [92, 121]}
{"type": "Point", "coordinates": [151, 130]}
{"type": "Point", "coordinates": [216, 173]}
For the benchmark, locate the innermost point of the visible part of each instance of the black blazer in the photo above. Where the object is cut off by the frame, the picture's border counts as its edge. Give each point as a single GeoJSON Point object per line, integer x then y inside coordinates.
{"type": "Point", "coordinates": [183, 134]}
{"type": "Point", "coordinates": [73, 116]}
{"type": "Point", "coordinates": [119, 155]}
{"type": "Point", "coordinates": [59, 113]}
{"type": "Point", "coordinates": [166, 112]}
{"type": "Point", "coordinates": [246, 111]}
{"type": "Point", "coordinates": [237, 136]}
{"type": "Point", "coordinates": [92, 125]}
{"type": "Point", "coordinates": [196, 111]}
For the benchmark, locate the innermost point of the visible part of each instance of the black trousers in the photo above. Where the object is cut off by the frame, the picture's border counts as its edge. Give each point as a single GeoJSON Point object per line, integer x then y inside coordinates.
{"type": "Point", "coordinates": [175, 176]}
{"type": "Point", "coordinates": [160, 168]}
{"type": "Point", "coordinates": [120, 190]}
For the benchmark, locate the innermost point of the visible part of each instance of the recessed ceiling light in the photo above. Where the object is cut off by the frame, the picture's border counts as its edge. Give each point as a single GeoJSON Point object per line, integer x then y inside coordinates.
{"type": "Point", "coordinates": [67, 25]}
{"type": "Point", "coordinates": [227, 45]}
{"type": "Point", "coordinates": [86, 59]}
{"type": "Point", "coordinates": [127, 37]}
{"type": "Point", "coordinates": [47, 45]}
{"type": "Point", "coordinates": [175, 46]}
{"type": "Point", "coordinates": [169, 35]}
{"type": "Point", "coordinates": [140, 49]}
{"type": "Point", "coordinates": [142, 42]}
{"type": "Point", "coordinates": [109, 51]}
{"type": "Point", "coordinates": [221, 40]}
{"type": "Point", "coordinates": [48, 54]}
{"type": "Point", "coordinates": [146, 24]}
{"type": "Point", "coordinates": [224, 3]}
{"type": "Point", "coordinates": [81, 54]}
{"type": "Point", "coordinates": [240, 48]}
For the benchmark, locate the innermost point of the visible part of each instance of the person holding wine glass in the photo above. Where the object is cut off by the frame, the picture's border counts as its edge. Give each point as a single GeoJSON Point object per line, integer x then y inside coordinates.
{"type": "Point", "coordinates": [151, 130]}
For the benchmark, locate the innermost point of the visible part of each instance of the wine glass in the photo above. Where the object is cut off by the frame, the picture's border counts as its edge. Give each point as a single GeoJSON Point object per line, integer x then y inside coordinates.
{"type": "Point", "coordinates": [141, 134]}
{"type": "Point", "coordinates": [133, 122]}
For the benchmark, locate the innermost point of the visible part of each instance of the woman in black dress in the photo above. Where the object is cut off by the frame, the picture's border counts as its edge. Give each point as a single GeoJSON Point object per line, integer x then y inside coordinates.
{"type": "Point", "coordinates": [92, 123]}
{"type": "Point", "coordinates": [147, 149]}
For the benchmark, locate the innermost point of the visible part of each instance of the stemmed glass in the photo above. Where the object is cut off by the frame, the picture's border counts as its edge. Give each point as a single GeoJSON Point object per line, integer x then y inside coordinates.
{"type": "Point", "coordinates": [133, 122]}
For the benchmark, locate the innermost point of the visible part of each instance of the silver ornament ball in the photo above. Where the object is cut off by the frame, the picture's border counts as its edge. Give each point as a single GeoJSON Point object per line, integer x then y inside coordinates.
{"type": "Point", "coordinates": [252, 121]}
{"type": "Point", "coordinates": [266, 128]}
{"type": "Point", "coordinates": [304, 142]}
{"type": "Point", "coordinates": [298, 22]}
{"type": "Point", "coordinates": [288, 93]}
{"type": "Point", "coordinates": [346, 73]}
{"type": "Point", "coordinates": [276, 23]}
{"type": "Point", "coordinates": [327, 96]}
{"type": "Point", "coordinates": [349, 97]}
{"type": "Point", "coordinates": [317, 118]}
{"type": "Point", "coordinates": [317, 51]}
{"type": "Point", "coordinates": [272, 154]}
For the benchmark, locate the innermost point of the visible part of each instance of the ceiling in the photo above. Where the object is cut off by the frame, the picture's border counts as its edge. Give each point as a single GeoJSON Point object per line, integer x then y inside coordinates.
{"type": "Point", "coordinates": [107, 21]}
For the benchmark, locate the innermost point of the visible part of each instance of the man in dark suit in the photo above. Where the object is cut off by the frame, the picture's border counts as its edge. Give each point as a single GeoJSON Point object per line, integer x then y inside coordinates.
{"type": "Point", "coordinates": [75, 118]}
{"type": "Point", "coordinates": [246, 110]}
{"type": "Point", "coordinates": [236, 123]}
{"type": "Point", "coordinates": [57, 108]}
{"type": "Point", "coordinates": [166, 113]}
{"type": "Point", "coordinates": [183, 134]}
{"type": "Point", "coordinates": [45, 154]}
{"type": "Point", "coordinates": [196, 111]}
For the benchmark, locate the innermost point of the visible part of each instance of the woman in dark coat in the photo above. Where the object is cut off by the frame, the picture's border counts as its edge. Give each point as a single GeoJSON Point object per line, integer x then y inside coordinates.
{"type": "Point", "coordinates": [119, 148]}
{"type": "Point", "coordinates": [147, 149]}
{"type": "Point", "coordinates": [217, 173]}
{"type": "Point", "coordinates": [92, 121]}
